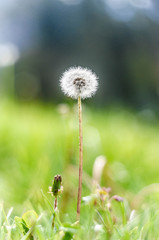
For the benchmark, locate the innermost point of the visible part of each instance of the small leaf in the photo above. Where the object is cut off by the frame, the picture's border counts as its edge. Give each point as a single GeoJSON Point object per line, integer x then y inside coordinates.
{"type": "Point", "coordinates": [19, 224]}
{"type": "Point", "coordinates": [30, 218]}
{"type": "Point", "coordinates": [67, 236]}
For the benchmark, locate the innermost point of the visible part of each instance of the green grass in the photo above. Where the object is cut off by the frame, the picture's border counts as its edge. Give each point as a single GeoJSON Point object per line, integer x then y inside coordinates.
{"type": "Point", "coordinates": [37, 142]}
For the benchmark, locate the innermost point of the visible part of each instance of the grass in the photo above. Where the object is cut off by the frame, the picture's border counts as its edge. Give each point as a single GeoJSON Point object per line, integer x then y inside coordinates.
{"type": "Point", "coordinates": [38, 141]}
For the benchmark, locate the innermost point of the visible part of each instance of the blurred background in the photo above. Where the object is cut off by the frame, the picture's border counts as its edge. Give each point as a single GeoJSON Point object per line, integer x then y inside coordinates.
{"type": "Point", "coordinates": [119, 41]}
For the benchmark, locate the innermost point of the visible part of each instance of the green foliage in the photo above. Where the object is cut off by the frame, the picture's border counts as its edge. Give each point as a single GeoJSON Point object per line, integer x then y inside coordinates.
{"type": "Point", "coordinates": [38, 142]}
{"type": "Point", "coordinates": [101, 221]}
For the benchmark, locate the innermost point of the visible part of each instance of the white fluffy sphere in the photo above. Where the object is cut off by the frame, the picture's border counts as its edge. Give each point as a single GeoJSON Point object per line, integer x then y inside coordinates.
{"type": "Point", "coordinates": [78, 81]}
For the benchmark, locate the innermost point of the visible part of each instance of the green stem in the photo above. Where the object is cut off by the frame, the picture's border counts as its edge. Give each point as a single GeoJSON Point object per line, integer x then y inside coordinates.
{"type": "Point", "coordinates": [123, 213]}
{"type": "Point", "coordinates": [54, 214]}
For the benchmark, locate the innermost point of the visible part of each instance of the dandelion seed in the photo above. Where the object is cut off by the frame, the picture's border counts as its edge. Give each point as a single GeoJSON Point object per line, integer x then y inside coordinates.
{"type": "Point", "coordinates": [79, 82]}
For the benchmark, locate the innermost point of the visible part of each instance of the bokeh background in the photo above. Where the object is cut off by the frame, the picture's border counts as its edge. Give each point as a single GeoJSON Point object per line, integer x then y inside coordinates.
{"type": "Point", "coordinates": [119, 41]}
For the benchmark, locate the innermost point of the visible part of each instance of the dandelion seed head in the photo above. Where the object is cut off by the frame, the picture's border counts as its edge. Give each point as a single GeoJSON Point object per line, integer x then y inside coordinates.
{"type": "Point", "coordinates": [78, 81]}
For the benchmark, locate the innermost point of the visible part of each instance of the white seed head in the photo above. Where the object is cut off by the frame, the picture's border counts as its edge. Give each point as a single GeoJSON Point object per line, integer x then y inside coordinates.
{"type": "Point", "coordinates": [78, 81]}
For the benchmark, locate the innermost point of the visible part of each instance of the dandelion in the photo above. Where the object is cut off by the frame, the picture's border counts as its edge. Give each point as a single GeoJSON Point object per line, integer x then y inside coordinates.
{"type": "Point", "coordinates": [79, 83]}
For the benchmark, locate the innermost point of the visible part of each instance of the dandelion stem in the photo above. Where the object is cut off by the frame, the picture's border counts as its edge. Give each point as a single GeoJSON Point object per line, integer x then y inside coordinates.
{"type": "Point", "coordinates": [80, 158]}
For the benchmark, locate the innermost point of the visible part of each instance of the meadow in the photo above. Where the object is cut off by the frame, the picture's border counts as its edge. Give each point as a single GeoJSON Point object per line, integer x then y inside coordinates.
{"type": "Point", "coordinates": [38, 141]}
